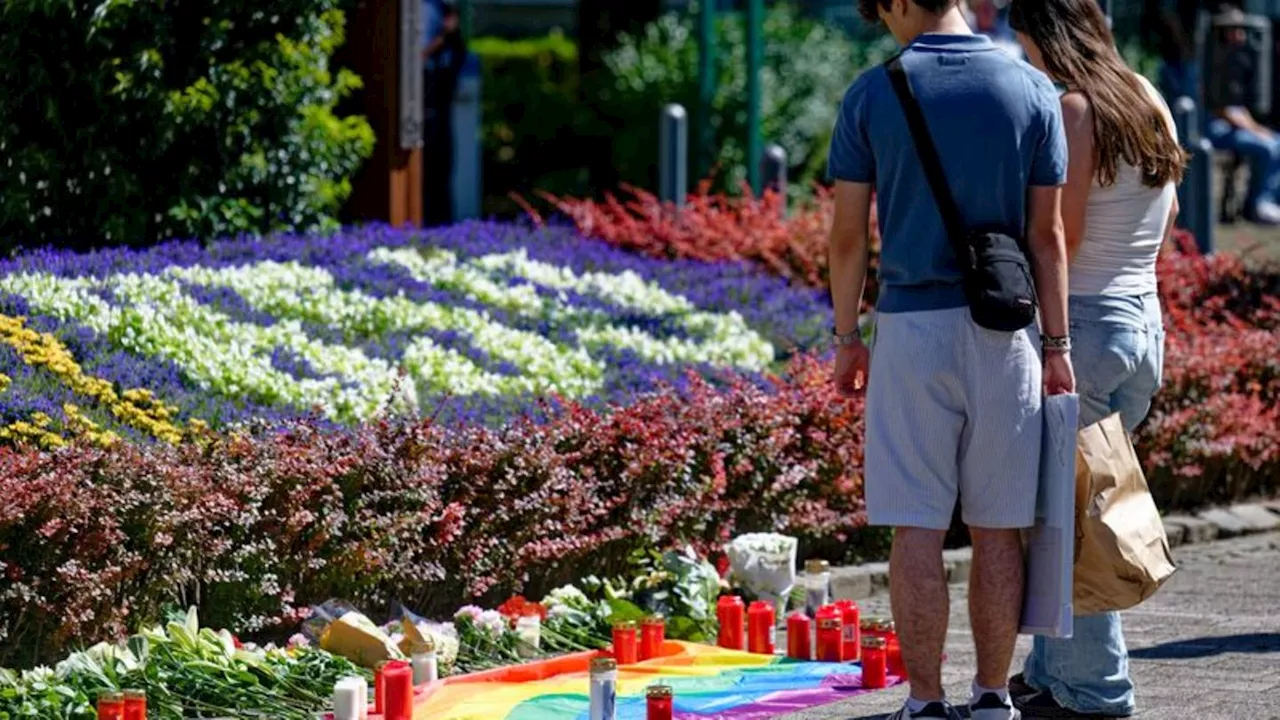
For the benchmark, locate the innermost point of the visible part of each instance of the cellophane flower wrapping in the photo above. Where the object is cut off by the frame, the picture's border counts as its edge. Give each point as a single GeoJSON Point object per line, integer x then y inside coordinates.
{"type": "Point", "coordinates": [765, 565]}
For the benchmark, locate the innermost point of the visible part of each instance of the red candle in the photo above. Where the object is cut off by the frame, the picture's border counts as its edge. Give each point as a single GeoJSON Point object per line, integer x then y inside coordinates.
{"type": "Point", "coordinates": [761, 628]}
{"type": "Point", "coordinates": [135, 705]}
{"type": "Point", "coordinates": [799, 628]}
{"type": "Point", "coordinates": [380, 689]}
{"type": "Point", "coordinates": [661, 703]}
{"type": "Point", "coordinates": [111, 706]}
{"type": "Point", "coordinates": [653, 633]}
{"type": "Point", "coordinates": [625, 647]}
{"type": "Point", "coordinates": [868, 627]}
{"type": "Point", "coordinates": [731, 613]}
{"type": "Point", "coordinates": [397, 678]}
{"type": "Point", "coordinates": [830, 640]}
{"type": "Point", "coordinates": [874, 663]}
{"type": "Point", "coordinates": [849, 618]}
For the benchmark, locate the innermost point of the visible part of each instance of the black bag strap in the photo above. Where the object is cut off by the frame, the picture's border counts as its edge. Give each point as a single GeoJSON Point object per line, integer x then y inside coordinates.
{"type": "Point", "coordinates": [952, 221]}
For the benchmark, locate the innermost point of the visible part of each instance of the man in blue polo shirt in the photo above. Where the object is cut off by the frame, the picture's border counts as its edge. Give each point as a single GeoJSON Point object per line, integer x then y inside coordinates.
{"type": "Point", "coordinates": [953, 409]}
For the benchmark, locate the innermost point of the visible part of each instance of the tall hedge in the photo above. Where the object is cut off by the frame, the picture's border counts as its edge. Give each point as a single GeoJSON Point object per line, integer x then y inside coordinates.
{"type": "Point", "coordinates": [536, 133]}
{"type": "Point", "coordinates": [127, 122]}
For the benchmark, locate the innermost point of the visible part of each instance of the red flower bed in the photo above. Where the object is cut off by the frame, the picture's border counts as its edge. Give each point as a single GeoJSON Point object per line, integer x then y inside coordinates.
{"type": "Point", "coordinates": [254, 530]}
{"type": "Point", "coordinates": [716, 227]}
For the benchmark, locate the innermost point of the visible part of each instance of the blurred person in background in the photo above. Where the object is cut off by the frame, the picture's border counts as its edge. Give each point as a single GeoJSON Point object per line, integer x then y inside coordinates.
{"type": "Point", "coordinates": [1170, 28]}
{"type": "Point", "coordinates": [444, 56]}
{"type": "Point", "coordinates": [1233, 127]}
{"type": "Point", "coordinates": [1118, 207]}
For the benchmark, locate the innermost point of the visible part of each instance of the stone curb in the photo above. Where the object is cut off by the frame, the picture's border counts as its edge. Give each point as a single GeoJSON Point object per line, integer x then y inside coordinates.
{"type": "Point", "coordinates": [858, 582]}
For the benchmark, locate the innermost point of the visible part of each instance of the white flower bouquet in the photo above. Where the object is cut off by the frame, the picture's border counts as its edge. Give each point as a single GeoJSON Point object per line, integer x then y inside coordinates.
{"type": "Point", "coordinates": [765, 565]}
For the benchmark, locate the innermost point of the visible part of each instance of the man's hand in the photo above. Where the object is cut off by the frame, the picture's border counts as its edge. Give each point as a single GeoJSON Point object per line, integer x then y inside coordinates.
{"type": "Point", "coordinates": [852, 363]}
{"type": "Point", "coordinates": [1059, 376]}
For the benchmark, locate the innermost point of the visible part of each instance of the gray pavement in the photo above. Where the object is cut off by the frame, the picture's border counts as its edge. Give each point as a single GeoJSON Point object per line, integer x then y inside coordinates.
{"type": "Point", "coordinates": [1207, 646]}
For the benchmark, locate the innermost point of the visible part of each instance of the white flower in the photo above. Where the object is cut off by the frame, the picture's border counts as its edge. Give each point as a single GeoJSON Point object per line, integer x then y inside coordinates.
{"type": "Point", "coordinates": [727, 340]}
{"type": "Point", "coordinates": [567, 596]}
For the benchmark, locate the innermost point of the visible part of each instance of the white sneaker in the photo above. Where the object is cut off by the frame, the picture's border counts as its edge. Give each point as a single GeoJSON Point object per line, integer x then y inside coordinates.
{"type": "Point", "coordinates": [991, 707]}
{"type": "Point", "coordinates": [939, 710]}
{"type": "Point", "coordinates": [1265, 212]}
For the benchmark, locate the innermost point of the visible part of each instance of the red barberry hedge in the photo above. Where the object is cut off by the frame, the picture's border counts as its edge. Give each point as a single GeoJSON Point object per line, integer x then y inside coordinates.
{"type": "Point", "coordinates": [254, 529]}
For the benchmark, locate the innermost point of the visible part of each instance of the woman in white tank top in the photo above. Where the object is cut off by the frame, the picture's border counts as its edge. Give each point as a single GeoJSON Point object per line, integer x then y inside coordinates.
{"type": "Point", "coordinates": [1118, 208]}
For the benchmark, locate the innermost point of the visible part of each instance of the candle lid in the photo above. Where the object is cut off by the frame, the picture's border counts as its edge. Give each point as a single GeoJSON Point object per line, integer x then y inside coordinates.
{"type": "Point", "coordinates": [133, 695]}
{"type": "Point", "coordinates": [886, 626]}
{"type": "Point", "coordinates": [659, 691]}
{"type": "Point", "coordinates": [655, 619]}
{"type": "Point", "coordinates": [874, 642]}
{"type": "Point", "coordinates": [798, 616]}
{"type": "Point", "coordinates": [110, 696]}
{"type": "Point", "coordinates": [729, 600]}
{"type": "Point", "coordinates": [603, 665]}
{"type": "Point", "coordinates": [760, 606]}
{"type": "Point", "coordinates": [814, 567]}
{"type": "Point", "coordinates": [624, 625]}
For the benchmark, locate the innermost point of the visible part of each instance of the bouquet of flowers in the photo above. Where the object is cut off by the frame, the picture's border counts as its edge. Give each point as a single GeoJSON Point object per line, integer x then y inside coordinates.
{"type": "Point", "coordinates": [764, 564]}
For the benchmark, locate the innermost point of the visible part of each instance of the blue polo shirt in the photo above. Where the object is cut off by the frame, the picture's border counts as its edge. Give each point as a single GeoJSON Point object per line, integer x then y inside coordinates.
{"type": "Point", "coordinates": [997, 124]}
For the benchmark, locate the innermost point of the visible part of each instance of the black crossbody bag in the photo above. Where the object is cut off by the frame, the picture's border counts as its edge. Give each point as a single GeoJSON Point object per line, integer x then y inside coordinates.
{"type": "Point", "coordinates": [997, 274]}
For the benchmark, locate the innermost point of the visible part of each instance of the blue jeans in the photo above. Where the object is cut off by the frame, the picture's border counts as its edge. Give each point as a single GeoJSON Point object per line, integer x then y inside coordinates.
{"type": "Point", "coordinates": [1263, 154]}
{"type": "Point", "coordinates": [1118, 353]}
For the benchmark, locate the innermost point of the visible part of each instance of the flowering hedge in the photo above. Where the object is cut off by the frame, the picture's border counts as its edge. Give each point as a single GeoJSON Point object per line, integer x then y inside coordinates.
{"type": "Point", "coordinates": [253, 529]}
{"type": "Point", "coordinates": [473, 324]}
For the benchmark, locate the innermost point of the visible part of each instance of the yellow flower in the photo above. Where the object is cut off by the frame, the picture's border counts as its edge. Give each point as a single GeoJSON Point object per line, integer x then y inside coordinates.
{"type": "Point", "coordinates": [137, 408]}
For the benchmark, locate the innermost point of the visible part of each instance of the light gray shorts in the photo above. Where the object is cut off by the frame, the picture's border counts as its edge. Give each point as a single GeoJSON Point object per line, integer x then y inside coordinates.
{"type": "Point", "coordinates": [953, 411]}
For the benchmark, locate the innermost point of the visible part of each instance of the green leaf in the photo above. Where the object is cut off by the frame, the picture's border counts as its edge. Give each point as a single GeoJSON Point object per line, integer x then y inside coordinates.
{"type": "Point", "coordinates": [683, 628]}
{"type": "Point", "coordinates": [624, 610]}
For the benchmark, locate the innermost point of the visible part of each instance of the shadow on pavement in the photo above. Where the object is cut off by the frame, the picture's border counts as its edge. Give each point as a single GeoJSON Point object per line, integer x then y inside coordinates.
{"type": "Point", "coordinates": [1258, 643]}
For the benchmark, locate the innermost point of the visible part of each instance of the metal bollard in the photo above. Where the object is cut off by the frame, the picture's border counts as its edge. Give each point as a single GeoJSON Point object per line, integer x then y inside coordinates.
{"type": "Point", "coordinates": [1195, 194]}
{"type": "Point", "coordinates": [673, 155]}
{"type": "Point", "coordinates": [773, 168]}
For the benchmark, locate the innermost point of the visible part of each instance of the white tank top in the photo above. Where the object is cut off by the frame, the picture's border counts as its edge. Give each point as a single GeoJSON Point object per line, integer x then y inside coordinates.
{"type": "Point", "coordinates": [1125, 225]}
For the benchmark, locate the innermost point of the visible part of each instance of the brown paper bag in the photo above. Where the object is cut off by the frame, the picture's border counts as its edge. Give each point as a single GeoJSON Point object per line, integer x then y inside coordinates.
{"type": "Point", "coordinates": [1122, 553]}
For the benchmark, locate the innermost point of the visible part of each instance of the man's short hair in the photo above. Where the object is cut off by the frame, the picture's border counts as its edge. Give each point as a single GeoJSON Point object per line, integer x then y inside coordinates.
{"type": "Point", "coordinates": [869, 9]}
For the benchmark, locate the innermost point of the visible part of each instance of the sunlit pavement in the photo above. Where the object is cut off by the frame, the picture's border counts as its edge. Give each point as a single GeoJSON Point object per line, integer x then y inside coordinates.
{"type": "Point", "coordinates": [1207, 646]}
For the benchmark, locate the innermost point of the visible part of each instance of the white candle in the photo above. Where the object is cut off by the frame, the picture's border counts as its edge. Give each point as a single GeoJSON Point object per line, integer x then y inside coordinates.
{"type": "Point", "coordinates": [350, 699]}
{"type": "Point", "coordinates": [425, 668]}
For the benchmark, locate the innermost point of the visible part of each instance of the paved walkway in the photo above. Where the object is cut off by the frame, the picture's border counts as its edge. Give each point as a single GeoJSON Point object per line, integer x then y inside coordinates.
{"type": "Point", "coordinates": [1207, 646]}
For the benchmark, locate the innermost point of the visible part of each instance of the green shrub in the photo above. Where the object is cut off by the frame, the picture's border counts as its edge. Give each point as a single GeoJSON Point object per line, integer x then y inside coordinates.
{"type": "Point", "coordinates": [125, 123]}
{"type": "Point", "coordinates": [535, 133]}
{"type": "Point", "coordinates": [808, 65]}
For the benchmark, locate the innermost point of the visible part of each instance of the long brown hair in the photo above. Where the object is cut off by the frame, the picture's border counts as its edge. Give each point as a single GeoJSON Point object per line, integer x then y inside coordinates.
{"type": "Point", "coordinates": [1079, 52]}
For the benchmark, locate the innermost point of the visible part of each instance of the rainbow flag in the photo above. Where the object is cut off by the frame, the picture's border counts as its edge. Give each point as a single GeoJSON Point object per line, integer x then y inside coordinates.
{"type": "Point", "coordinates": [709, 682]}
